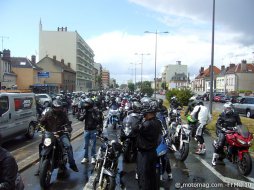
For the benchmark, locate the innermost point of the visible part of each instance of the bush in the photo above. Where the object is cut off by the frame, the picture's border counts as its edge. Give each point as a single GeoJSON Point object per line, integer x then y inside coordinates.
{"type": "Point", "coordinates": [183, 95]}
{"type": "Point", "coordinates": [147, 90]}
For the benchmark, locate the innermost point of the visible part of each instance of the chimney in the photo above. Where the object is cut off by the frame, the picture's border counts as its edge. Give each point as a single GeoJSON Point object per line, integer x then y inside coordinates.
{"type": "Point", "coordinates": [62, 60]}
{"type": "Point", "coordinates": [244, 65]}
{"type": "Point", "coordinates": [6, 55]}
{"type": "Point", "coordinates": [33, 59]}
{"type": "Point", "coordinates": [201, 70]}
{"type": "Point", "coordinates": [54, 57]}
{"type": "Point", "coordinates": [69, 65]}
{"type": "Point", "coordinates": [222, 67]}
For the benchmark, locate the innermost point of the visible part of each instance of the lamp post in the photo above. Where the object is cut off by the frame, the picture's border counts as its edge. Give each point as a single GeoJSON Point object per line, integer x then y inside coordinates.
{"type": "Point", "coordinates": [142, 54]}
{"type": "Point", "coordinates": [135, 73]}
{"type": "Point", "coordinates": [155, 56]}
{"type": "Point", "coordinates": [212, 60]}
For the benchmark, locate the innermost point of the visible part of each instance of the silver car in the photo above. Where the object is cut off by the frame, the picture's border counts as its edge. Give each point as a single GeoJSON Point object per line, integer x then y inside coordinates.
{"type": "Point", "coordinates": [245, 106]}
{"type": "Point", "coordinates": [44, 99]}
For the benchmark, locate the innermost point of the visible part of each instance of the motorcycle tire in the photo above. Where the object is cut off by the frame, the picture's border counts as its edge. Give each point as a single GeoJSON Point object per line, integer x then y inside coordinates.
{"type": "Point", "coordinates": [245, 165]}
{"type": "Point", "coordinates": [45, 174]}
{"type": "Point", "coordinates": [114, 126]}
{"type": "Point", "coordinates": [108, 183]}
{"type": "Point", "coordinates": [184, 152]}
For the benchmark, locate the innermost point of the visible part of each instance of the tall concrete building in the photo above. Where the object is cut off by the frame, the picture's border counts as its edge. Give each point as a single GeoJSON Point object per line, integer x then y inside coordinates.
{"type": "Point", "coordinates": [71, 47]}
{"type": "Point", "coordinates": [171, 70]}
{"type": "Point", "coordinates": [105, 78]}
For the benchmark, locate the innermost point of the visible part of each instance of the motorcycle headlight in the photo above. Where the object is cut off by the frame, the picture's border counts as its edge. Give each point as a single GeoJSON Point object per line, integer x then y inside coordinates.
{"type": "Point", "coordinates": [47, 141]}
{"type": "Point", "coordinates": [241, 141]}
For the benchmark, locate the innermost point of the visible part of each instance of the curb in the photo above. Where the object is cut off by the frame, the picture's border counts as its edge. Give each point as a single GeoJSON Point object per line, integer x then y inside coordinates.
{"type": "Point", "coordinates": [29, 161]}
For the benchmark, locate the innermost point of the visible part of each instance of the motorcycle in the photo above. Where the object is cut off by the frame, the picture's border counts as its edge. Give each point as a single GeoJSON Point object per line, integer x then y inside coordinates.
{"type": "Point", "coordinates": [163, 160]}
{"type": "Point", "coordinates": [53, 155]}
{"type": "Point", "coordinates": [113, 117]}
{"type": "Point", "coordinates": [236, 148]}
{"type": "Point", "coordinates": [106, 164]}
{"type": "Point", "coordinates": [193, 125]}
{"type": "Point", "coordinates": [179, 134]}
{"type": "Point", "coordinates": [128, 136]}
{"type": "Point", "coordinates": [74, 106]}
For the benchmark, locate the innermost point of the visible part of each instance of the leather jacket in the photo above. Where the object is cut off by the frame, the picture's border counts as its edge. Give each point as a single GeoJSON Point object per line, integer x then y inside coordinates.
{"type": "Point", "coordinates": [228, 121]}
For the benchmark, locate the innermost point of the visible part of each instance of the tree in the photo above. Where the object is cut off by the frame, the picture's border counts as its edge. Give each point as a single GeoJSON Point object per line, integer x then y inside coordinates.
{"type": "Point", "coordinates": [183, 95]}
{"type": "Point", "coordinates": [146, 84]}
{"type": "Point", "coordinates": [164, 86]}
{"type": "Point", "coordinates": [131, 86]}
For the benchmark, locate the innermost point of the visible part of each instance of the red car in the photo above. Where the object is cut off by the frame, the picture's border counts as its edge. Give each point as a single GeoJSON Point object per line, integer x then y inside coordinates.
{"type": "Point", "coordinates": [217, 98]}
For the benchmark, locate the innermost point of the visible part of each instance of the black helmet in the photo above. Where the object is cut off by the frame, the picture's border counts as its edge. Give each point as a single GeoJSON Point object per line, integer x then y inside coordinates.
{"type": "Point", "coordinates": [136, 106]}
{"type": "Point", "coordinates": [88, 103]}
{"type": "Point", "coordinates": [149, 107]}
{"type": "Point", "coordinates": [57, 104]}
{"type": "Point", "coordinates": [200, 102]}
{"type": "Point", "coordinates": [160, 102]}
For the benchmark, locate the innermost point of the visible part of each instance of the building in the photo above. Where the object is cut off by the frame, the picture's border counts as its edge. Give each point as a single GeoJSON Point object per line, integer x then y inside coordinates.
{"type": "Point", "coordinates": [8, 79]}
{"type": "Point", "coordinates": [170, 71]}
{"type": "Point", "coordinates": [220, 80]}
{"type": "Point", "coordinates": [112, 83]}
{"type": "Point", "coordinates": [71, 47]}
{"type": "Point", "coordinates": [59, 76]}
{"type": "Point", "coordinates": [239, 77]}
{"type": "Point", "coordinates": [201, 83]}
{"type": "Point", "coordinates": [105, 79]}
{"type": "Point", "coordinates": [97, 75]}
{"type": "Point", "coordinates": [158, 84]}
{"type": "Point", "coordinates": [179, 80]}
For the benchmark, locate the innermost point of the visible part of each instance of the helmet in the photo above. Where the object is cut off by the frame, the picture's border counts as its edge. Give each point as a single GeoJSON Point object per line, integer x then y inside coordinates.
{"type": "Point", "coordinates": [88, 103]}
{"type": "Point", "coordinates": [173, 99]}
{"type": "Point", "coordinates": [228, 108]}
{"type": "Point", "coordinates": [136, 106]}
{"type": "Point", "coordinates": [192, 99]}
{"type": "Point", "coordinates": [149, 107]}
{"type": "Point", "coordinates": [57, 105]}
{"type": "Point", "coordinates": [200, 102]}
{"type": "Point", "coordinates": [160, 102]}
{"type": "Point", "coordinates": [112, 98]}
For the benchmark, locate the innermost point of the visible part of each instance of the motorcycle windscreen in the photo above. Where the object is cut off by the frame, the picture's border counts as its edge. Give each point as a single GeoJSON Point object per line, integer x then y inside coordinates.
{"type": "Point", "coordinates": [243, 131]}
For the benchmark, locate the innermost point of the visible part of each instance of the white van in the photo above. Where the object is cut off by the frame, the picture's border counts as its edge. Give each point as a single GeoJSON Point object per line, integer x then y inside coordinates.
{"type": "Point", "coordinates": [17, 115]}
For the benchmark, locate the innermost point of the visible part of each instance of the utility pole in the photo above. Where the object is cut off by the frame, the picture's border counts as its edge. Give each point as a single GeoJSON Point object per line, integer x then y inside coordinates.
{"type": "Point", "coordinates": [3, 37]}
{"type": "Point", "coordinates": [142, 54]}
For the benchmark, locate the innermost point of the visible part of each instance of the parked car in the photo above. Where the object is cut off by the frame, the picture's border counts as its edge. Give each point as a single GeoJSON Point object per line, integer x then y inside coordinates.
{"type": "Point", "coordinates": [44, 99]}
{"type": "Point", "coordinates": [205, 96]}
{"type": "Point", "coordinates": [232, 99]}
{"type": "Point", "coordinates": [218, 97]}
{"type": "Point", "coordinates": [245, 106]}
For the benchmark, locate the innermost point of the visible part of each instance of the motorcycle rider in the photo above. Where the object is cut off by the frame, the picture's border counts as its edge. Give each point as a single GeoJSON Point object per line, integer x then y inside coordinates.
{"type": "Point", "coordinates": [204, 117]}
{"type": "Point", "coordinates": [53, 120]}
{"type": "Point", "coordinates": [227, 120]}
{"type": "Point", "coordinates": [174, 103]}
{"type": "Point", "coordinates": [147, 141]}
{"type": "Point", "coordinates": [91, 117]}
{"type": "Point", "coordinates": [10, 179]}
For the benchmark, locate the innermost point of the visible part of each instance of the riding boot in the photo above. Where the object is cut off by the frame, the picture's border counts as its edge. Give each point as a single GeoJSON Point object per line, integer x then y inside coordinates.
{"type": "Point", "coordinates": [214, 160]}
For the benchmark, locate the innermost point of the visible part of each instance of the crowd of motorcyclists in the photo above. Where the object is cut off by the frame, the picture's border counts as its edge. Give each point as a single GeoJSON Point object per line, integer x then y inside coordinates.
{"type": "Point", "coordinates": [149, 127]}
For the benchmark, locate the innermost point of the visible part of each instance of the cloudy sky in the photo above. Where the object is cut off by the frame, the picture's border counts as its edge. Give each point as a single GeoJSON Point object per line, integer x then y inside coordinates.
{"type": "Point", "coordinates": [114, 29]}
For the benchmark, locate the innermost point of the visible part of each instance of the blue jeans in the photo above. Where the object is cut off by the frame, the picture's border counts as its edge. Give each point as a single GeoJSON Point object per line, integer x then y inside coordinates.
{"type": "Point", "coordinates": [90, 136]}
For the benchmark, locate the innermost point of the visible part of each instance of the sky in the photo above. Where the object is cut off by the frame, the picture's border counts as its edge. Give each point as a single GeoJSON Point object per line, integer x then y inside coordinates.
{"type": "Point", "coordinates": [115, 30]}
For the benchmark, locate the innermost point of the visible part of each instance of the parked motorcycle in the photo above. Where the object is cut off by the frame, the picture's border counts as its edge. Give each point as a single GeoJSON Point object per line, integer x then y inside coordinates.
{"type": "Point", "coordinates": [53, 156]}
{"type": "Point", "coordinates": [236, 148]}
{"type": "Point", "coordinates": [179, 134]}
{"type": "Point", "coordinates": [106, 164]}
{"type": "Point", "coordinates": [128, 136]}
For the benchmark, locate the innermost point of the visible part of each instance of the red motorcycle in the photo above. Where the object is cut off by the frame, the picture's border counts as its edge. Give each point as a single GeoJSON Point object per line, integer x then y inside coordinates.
{"type": "Point", "coordinates": [236, 148]}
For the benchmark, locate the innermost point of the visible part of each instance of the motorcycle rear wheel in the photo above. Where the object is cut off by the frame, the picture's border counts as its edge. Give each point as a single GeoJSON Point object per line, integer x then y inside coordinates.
{"type": "Point", "coordinates": [245, 165]}
{"type": "Point", "coordinates": [45, 174]}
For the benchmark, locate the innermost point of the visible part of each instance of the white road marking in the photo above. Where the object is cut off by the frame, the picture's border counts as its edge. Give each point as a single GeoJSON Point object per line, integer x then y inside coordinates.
{"type": "Point", "coordinates": [229, 181]}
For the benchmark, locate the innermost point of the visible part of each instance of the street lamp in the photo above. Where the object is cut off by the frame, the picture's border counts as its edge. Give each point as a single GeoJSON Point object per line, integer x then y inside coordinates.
{"type": "Point", "coordinates": [155, 56]}
{"type": "Point", "coordinates": [142, 54]}
{"type": "Point", "coordinates": [135, 72]}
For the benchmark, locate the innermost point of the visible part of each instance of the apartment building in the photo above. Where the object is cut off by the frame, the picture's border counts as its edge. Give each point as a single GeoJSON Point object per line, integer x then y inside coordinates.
{"type": "Point", "coordinates": [71, 47]}
{"type": "Point", "coordinates": [105, 77]}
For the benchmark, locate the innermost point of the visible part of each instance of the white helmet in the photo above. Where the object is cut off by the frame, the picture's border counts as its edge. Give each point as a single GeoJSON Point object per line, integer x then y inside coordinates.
{"type": "Point", "coordinates": [228, 108]}
{"type": "Point", "coordinates": [192, 99]}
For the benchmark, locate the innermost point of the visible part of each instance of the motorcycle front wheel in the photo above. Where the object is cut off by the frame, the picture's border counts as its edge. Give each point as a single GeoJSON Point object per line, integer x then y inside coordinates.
{"type": "Point", "coordinates": [245, 165]}
{"type": "Point", "coordinates": [45, 174]}
{"type": "Point", "coordinates": [183, 152]}
{"type": "Point", "coordinates": [108, 183]}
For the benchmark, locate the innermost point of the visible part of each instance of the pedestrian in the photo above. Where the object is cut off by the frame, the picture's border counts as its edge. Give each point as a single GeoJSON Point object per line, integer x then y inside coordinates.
{"type": "Point", "coordinates": [149, 133]}
{"type": "Point", "coordinates": [10, 179]}
{"type": "Point", "coordinates": [204, 117]}
{"type": "Point", "coordinates": [90, 130]}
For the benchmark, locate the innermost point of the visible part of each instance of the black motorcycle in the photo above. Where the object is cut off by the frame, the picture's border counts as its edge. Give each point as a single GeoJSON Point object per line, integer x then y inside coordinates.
{"type": "Point", "coordinates": [52, 156]}
{"type": "Point", "coordinates": [128, 136]}
{"type": "Point", "coordinates": [106, 164]}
